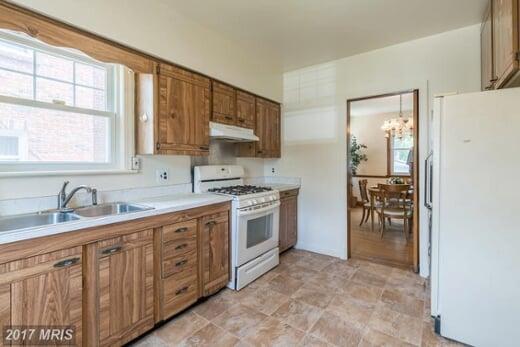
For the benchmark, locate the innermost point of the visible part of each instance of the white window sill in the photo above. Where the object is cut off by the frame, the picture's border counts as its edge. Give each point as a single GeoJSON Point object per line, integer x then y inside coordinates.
{"type": "Point", "coordinates": [67, 173]}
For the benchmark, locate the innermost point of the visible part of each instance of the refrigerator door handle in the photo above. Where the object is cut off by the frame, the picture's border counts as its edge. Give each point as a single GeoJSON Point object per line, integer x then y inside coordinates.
{"type": "Point", "coordinates": [428, 183]}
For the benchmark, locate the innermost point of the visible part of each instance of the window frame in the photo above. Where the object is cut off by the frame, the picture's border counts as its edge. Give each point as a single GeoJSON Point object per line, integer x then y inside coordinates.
{"type": "Point", "coordinates": [119, 84]}
{"type": "Point", "coordinates": [390, 157]}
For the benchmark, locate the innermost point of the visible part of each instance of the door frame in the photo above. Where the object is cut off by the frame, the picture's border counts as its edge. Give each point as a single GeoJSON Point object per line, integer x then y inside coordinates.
{"type": "Point", "coordinates": [416, 168]}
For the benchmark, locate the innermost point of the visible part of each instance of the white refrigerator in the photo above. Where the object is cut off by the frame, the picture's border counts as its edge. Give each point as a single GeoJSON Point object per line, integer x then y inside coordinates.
{"type": "Point", "coordinates": [475, 236]}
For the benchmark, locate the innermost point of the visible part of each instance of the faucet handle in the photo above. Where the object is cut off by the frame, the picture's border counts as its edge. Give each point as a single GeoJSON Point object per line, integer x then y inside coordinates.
{"type": "Point", "coordinates": [94, 196]}
{"type": "Point", "coordinates": [64, 186]}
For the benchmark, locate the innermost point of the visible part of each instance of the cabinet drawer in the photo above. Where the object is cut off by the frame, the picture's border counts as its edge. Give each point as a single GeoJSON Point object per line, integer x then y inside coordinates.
{"type": "Point", "coordinates": [288, 193]}
{"type": "Point", "coordinates": [179, 247]}
{"type": "Point", "coordinates": [179, 293]}
{"type": "Point", "coordinates": [180, 230]}
{"type": "Point", "coordinates": [174, 265]}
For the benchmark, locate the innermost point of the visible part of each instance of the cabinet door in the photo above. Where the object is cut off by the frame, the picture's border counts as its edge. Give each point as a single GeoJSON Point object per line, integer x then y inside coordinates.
{"type": "Point", "coordinates": [262, 119]}
{"type": "Point", "coordinates": [505, 39]}
{"type": "Point", "coordinates": [245, 110]}
{"type": "Point", "coordinates": [183, 124]}
{"type": "Point", "coordinates": [282, 229]}
{"type": "Point", "coordinates": [224, 104]}
{"type": "Point", "coordinates": [125, 287]}
{"type": "Point", "coordinates": [45, 290]}
{"type": "Point", "coordinates": [215, 252]}
{"type": "Point", "coordinates": [291, 220]}
{"type": "Point", "coordinates": [274, 131]}
{"type": "Point", "coordinates": [486, 47]}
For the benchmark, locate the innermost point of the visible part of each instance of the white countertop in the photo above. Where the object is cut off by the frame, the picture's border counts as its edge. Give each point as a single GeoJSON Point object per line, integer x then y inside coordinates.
{"type": "Point", "coordinates": [161, 205]}
{"type": "Point", "coordinates": [282, 186]}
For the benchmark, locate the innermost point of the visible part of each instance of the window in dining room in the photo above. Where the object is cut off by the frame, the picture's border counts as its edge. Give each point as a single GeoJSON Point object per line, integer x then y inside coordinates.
{"type": "Point", "coordinates": [400, 149]}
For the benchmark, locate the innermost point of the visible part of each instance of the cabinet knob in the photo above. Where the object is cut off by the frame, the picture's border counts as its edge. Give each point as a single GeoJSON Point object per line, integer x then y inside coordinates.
{"type": "Point", "coordinates": [181, 291]}
{"type": "Point", "coordinates": [111, 250]}
{"type": "Point", "coordinates": [181, 230]}
{"type": "Point", "coordinates": [182, 262]}
{"type": "Point", "coordinates": [172, 115]}
{"type": "Point", "coordinates": [228, 117]}
{"type": "Point", "coordinates": [211, 223]}
{"type": "Point", "coordinates": [66, 262]}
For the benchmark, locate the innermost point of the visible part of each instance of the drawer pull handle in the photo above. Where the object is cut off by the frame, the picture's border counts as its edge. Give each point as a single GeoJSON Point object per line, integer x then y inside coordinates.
{"type": "Point", "coordinates": [211, 223]}
{"type": "Point", "coordinates": [182, 290]}
{"type": "Point", "coordinates": [181, 230]}
{"type": "Point", "coordinates": [184, 245]}
{"type": "Point", "coordinates": [228, 117]}
{"type": "Point", "coordinates": [204, 148]}
{"type": "Point", "coordinates": [182, 262]}
{"type": "Point", "coordinates": [111, 250]}
{"type": "Point", "coordinates": [66, 262]}
{"type": "Point", "coordinates": [241, 120]}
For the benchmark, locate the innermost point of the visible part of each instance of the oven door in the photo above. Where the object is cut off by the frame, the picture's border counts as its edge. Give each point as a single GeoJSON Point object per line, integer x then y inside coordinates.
{"type": "Point", "coordinates": [257, 231]}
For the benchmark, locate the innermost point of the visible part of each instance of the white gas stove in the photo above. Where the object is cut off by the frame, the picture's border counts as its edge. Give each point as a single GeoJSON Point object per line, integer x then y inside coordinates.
{"type": "Point", "coordinates": [254, 220]}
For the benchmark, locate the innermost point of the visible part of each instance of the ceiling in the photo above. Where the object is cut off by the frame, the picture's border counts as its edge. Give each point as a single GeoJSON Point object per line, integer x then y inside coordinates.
{"type": "Point", "coordinates": [387, 104]}
{"type": "Point", "coordinates": [301, 33]}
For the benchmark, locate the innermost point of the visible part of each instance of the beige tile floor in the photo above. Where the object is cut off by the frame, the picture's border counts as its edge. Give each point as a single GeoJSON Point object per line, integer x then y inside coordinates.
{"type": "Point", "coordinates": [310, 300]}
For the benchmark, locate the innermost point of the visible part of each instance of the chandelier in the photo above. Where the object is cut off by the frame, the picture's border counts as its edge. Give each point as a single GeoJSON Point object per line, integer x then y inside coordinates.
{"type": "Point", "coordinates": [398, 127]}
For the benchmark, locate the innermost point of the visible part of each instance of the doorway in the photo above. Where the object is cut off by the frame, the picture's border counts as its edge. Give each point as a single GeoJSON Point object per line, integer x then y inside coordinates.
{"type": "Point", "coordinates": [382, 179]}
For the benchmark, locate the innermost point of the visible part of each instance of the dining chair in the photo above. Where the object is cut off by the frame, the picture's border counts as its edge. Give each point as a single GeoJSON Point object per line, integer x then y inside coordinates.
{"type": "Point", "coordinates": [365, 201]}
{"type": "Point", "coordinates": [395, 205]}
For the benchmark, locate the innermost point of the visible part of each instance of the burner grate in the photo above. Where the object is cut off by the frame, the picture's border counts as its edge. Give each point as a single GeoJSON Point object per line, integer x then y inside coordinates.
{"type": "Point", "coordinates": [240, 190]}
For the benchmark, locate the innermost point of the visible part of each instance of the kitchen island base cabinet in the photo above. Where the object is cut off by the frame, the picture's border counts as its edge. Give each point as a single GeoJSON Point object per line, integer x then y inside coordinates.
{"type": "Point", "coordinates": [45, 290]}
{"type": "Point", "coordinates": [288, 230]}
{"type": "Point", "coordinates": [120, 280]}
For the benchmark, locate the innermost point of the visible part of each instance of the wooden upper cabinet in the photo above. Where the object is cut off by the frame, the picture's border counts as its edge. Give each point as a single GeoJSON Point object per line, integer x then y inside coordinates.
{"type": "Point", "coordinates": [246, 110]}
{"type": "Point", "coordinates": [224, 104]}
{"type": "Point", "coordinates": [120, 280]}
{"type": "Point", "coordinates": [505, 40]}
{"type": "Point", "coordinates": [183, 112]}
{"type": "Point", "coordinates": [486, 44]}
{"type": "Point", "coordinates": [173, 110]}
{"type": "Point", "coordinates": [215, 252]}
{"type": "Point", "coordinates": [43, 290]}
{"type": "Point", "coordinates": [268, 129]}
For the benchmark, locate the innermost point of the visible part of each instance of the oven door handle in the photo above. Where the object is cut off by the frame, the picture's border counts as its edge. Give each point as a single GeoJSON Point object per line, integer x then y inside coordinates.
{"type": "Point", "coordinates": [273, 206]}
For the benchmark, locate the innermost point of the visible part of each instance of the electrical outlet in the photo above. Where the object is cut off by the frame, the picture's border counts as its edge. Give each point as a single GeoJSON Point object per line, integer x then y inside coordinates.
{"type": "Point", "coordinates": [272, 170]}
{"type": "Point", "coordinates": [162, 175]}
{"type": "Point", "coordinates": [136, 163]}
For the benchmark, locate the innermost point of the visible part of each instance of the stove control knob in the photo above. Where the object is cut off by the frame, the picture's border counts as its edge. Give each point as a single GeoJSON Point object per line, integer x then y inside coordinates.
{"type": "Point", "coordinates": [253, 202]}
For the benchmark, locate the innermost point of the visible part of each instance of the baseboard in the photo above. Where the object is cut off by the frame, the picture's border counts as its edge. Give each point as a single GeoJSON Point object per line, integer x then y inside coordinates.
{"type": "Point", "coordinates": [332, 253]}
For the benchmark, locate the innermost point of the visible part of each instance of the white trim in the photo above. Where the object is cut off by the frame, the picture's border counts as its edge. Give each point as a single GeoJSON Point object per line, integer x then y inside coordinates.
{"type": "Point", "coordinates": [54, 106]}
{"type": "Point", "coordinates": [68, 173]}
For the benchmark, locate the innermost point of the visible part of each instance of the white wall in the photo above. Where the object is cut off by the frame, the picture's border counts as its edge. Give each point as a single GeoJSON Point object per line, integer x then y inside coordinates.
{"type": "Point", "coordinates": [314, 124]}
{"type": "Point", "coordinates": [152, 26]}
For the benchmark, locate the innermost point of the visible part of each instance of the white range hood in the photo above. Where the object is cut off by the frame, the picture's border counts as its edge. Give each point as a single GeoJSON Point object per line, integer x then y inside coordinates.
{"type": "Point", "coordinates": [231, 133]}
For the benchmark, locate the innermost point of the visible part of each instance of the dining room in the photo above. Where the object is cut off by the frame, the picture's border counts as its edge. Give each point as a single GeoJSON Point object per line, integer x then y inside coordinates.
{"type": "Point", "coordinates": [382, 206]}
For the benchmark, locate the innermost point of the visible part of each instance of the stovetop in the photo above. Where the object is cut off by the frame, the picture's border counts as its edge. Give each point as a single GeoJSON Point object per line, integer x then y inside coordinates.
{"type": "Point", "coordinates": [240, 190]}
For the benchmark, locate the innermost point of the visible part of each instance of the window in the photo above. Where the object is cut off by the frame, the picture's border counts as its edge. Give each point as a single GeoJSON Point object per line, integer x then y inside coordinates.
{"type": "Point", "coordinates": [399, 150]}
{"type": "Point", "coordinates": [58, 108]}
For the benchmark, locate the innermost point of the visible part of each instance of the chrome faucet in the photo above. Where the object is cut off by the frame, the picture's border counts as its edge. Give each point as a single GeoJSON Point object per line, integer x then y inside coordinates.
{"type": "Point", "coordinates": [64, 198]}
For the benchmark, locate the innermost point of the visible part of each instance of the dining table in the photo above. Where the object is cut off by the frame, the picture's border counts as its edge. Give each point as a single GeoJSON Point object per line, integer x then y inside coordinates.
{"type": "Point", "coordinates": [376, 192]}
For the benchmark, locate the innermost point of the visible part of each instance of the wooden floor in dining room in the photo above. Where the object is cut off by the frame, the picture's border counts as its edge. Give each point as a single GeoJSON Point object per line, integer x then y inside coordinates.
{"type": "Point", "coordinates": [393, 249]}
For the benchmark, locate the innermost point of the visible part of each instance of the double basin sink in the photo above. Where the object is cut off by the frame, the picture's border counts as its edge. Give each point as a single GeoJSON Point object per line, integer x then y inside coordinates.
{"type": "Point", "coordinates": [49, 218]}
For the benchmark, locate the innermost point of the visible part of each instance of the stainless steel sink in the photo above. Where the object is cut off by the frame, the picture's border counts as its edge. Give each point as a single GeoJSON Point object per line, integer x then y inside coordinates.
{"type": "Point", "coordinates": [35, 220]}
{"type": "Point", "coordinates": [110, 209]}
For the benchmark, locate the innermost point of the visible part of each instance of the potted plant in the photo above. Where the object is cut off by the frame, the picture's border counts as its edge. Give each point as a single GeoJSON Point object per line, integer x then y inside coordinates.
{"type": "Point", "coordinates": [356, 154]}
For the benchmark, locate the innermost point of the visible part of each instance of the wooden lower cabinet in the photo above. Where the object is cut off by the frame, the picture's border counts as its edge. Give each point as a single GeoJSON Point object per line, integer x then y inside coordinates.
{"type": "Point", "coordinates": [193, 260]}
{"type": "Point", "coordinates": [215, 252]}
{"type": "Point", "coordinates": [45, 290]}
{"type": "Point", "coordinates": [120, 276]}
{"type": "Point", "coordinates": [288, 230]}
{"type": "Point", "coordinates": [115, 282]}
